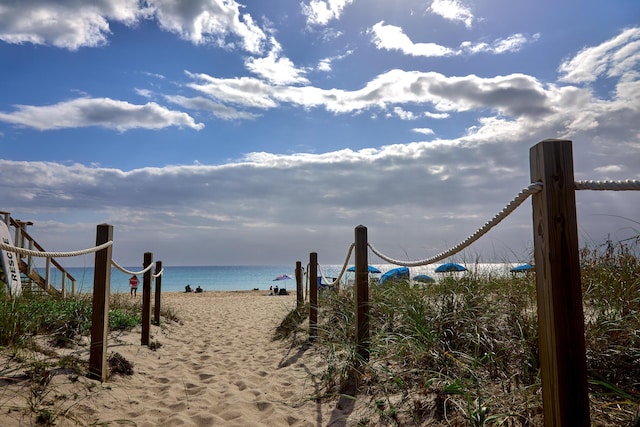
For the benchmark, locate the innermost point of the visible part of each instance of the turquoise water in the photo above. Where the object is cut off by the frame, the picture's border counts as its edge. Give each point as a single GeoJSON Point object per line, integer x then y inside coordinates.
{"type": "Point", "coordinates": [232, 278]}
{"type": "Point", "coordinates": [174, 279]}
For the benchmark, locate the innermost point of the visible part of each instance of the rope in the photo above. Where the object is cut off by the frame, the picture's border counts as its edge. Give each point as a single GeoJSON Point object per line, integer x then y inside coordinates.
{"type": "Point", "coordinates": [159, 273]}
{"type": "Point", "coordinates": [41, 254]}
{"type": "Point", "coordinates": [626, 185]}
{"type": "Point", "coordinates": [344, 268]}
{"type": "Point", "coordinates": [510, 207]}
{"type": "Point", "coordinates": [124, 270]}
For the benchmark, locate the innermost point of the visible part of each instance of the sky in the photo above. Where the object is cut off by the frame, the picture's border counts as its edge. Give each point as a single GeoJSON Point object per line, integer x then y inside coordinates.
{"type": "Point", "coordinates": [216, 132]}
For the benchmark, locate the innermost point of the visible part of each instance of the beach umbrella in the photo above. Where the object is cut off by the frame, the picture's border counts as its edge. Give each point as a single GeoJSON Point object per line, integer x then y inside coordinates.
{"type": "Point", "coordinates": [522, 268]}
{"type": "Point", "coordinates": [423, 278]}
{"type": "Point", "coordinates": [450, 266]}
{"type": "Point", "coordinates": [282, 277]}
{"type": "Point", "coordinates": [394, 274]}
{"type": "Point", "coordinates": [370, 268]}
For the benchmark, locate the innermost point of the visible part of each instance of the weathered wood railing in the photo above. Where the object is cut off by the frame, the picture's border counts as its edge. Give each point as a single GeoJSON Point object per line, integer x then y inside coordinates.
{"type": "Point", "coordinates": [24, 240]}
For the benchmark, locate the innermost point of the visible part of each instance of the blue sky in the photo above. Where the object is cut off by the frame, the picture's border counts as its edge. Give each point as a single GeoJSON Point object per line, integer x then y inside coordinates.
{"type": "Point", "coordinates": [216, 132]}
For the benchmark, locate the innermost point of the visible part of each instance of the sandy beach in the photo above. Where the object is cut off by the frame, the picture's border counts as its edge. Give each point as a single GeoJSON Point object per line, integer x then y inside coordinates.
{"type": "Point", "coordinates": [217, 366]}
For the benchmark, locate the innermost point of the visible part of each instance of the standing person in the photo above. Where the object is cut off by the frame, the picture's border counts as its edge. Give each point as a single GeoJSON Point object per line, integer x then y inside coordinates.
{"type": "Point", "coordinates": [133, 283]}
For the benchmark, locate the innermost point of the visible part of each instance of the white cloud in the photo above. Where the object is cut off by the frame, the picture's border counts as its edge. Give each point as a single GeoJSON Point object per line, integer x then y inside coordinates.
{"type": "Point", "coordinates": [220, 111]}
{"type": "Point", "coordinates": [391, 37]}
{"type": "Point", "coordinates": [241, 91]}
{"type": "Point", "coordinates": [403, 114]}
{"type": "Point", "coordinates": [513, 43]}
{"type": "Point", "coordinates": [210, 21]}
{"type": "Point", "coordinates": [275, 68]}
{"type": "Point", "coordinates": [325, 64]}
{"type": "Point", "coordinates": [71, 24]}
{"type": "Point", "coordinates": [613, 58]}
{"type": "Point", "coordinates": [453, 10]}
{"type": "Point", "coordinates": [65, 24]}
{"type": "Point", "coordinates": [437, 116]}
{"type": "Point", "coordinates": [609, 169]}
{"type": "Point", "coordinates": [511, 95]}
{"type": "Point", "coordinates": [423, 131]}
{"type": "Point", "coordinates": [103, 112]}
{"type": "Point", "coordinates": [320, 12]}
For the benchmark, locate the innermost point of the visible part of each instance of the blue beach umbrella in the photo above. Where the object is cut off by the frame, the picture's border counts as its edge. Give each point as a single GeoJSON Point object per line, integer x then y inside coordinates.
{"type": "Point", "coordinates": [282, 277]}
{"type": "Point", "coordinates": [522, 268]}
{"type": "Point", "coordinates": [448, 267]}
{"type": "Point", "coordinates": [394, 274]}
{"type": "Point", "coordinates": [370, 268]}
{"type": "Point", "coordinates": [425, 278]}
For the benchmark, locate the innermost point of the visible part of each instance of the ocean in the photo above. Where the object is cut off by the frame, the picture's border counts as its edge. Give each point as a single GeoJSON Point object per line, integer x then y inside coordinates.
{"type": "Point", "coordinates": [233, 278]}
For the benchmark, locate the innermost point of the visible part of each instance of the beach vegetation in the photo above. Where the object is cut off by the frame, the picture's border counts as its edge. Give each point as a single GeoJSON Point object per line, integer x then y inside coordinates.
{"type": "Point", "coordinates": [44, 343]}
{"type": "Point", "coordinates": [464, 350]}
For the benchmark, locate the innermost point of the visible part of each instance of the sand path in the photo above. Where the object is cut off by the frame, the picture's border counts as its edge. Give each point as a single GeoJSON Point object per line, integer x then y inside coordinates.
{"type": "Point", "coordinates": [219, 367]}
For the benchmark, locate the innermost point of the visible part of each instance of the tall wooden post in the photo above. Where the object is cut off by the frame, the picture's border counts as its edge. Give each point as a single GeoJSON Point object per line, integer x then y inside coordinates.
{"type": "Point", "coordinates": [559, 290]}
{"type": "Point", "coordinates": [313, 296]}
{"type": "Point", "coordinates": [156, 307]}
{"type": "Point", "coordinates": [362, 293]}
{"type": "Point", "coordinates": [299, 294]}
{"type": "Point", "coordinates": [100, 313]}
{"type": "Point", "coordinates": [146, 299]}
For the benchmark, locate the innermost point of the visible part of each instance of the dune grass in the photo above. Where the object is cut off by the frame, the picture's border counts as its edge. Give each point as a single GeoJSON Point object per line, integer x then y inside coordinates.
{"type": "Point", "coordinates": [464, 351]}
{"type": "Point", "coordinates": [44, 347]}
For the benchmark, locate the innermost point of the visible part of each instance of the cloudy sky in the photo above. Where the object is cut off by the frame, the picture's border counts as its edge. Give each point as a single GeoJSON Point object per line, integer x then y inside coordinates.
{"type": "Point", "coordinates": [212, 132]}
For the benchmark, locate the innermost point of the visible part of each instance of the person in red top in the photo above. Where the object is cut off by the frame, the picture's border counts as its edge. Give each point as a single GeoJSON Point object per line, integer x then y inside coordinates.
{"type": "Point", "coordinates": [133, 283]}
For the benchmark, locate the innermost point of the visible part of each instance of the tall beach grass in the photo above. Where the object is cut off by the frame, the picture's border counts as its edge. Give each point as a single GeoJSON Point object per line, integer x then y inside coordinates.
{"type": "Point", "coordinates": [464, 351]}
{"type": "Point", "coordinates": [44, 343]}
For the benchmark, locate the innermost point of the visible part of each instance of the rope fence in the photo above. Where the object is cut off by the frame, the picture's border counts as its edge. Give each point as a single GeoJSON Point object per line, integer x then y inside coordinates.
{"type": "Point", "coordinates": [101, 286]}
{"type": "Point", "coordinates": [124, 270]}
{"type": "Point", "coordinates": [625, 185]}
{"type": "Point", "coordinates": [558, 283]}
{"type": "Point", "coordinates": [41, 254]}
{"type": "Point", "coordinates": [505, 212]}
{"type": "Point", "coordinates": [342, 271]}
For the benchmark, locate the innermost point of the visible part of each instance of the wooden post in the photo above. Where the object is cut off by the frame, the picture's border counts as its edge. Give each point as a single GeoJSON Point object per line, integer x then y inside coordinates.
{"type": "Point", "coordinates": [313, 296]}
{"type": "Point", "coordinates": [156, 307]}
{"type": "Point", "coordinates": [47, 273]}
{"type": "Point", "coordinates": [29, 258]}
{"type": "Point", "coordinates": [146, 299]}
{"type": "Point", "coordinates": [100, 313]}
{"type": "Point", "coordinates": [63, 285]}
{"type": "Point", "coordinates": [362, 293]}
{"type": "Point", "coordinates": [559, 290]}
{"type": "Point", "coordinates": [299, 293]}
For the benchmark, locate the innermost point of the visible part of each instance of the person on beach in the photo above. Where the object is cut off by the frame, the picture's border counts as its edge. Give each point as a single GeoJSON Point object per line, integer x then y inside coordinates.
{"type": "Point", "coordinates": [187, 289]}
{"type": "Point", "coordinates": [133, 283]}
{"type": "Point", "coordinates": [199, 289]}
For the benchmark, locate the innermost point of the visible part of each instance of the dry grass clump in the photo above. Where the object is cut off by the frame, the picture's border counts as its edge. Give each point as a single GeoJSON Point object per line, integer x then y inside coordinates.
{"type": "Point", "coordinates": [464, 351]}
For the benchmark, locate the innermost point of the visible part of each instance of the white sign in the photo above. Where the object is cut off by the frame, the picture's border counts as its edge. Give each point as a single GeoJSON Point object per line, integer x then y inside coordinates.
{"type": "Point", "coordinates": [10, 263]}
